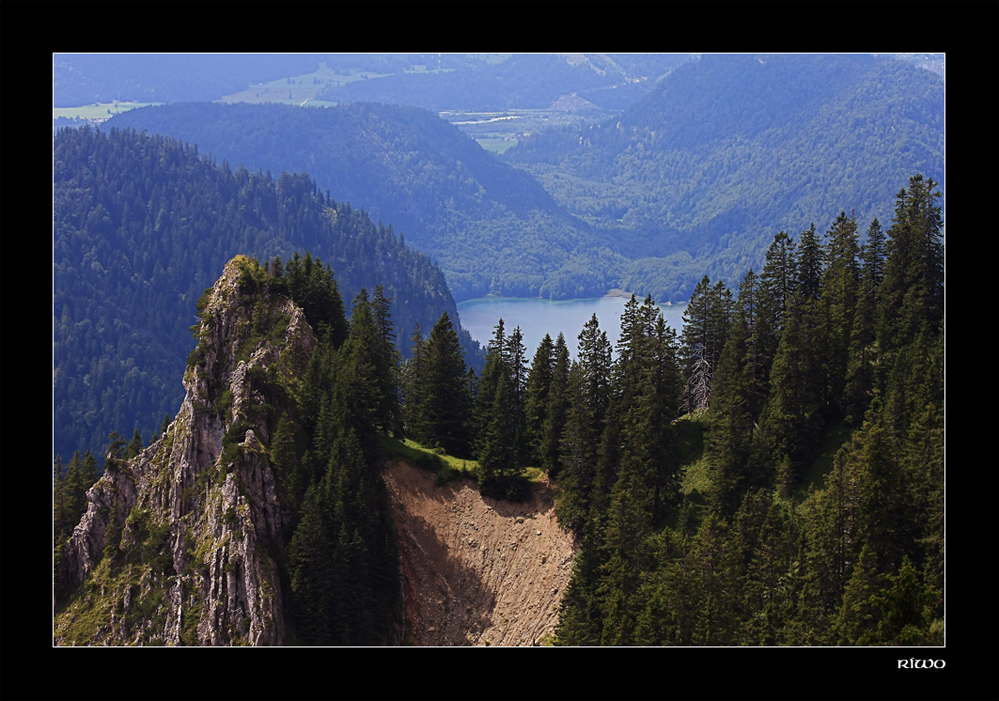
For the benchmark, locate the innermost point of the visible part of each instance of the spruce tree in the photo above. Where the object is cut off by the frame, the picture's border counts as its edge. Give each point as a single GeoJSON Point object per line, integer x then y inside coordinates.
{"type": "Point", "coordinates": [536, 391]}
{"type": "Point", "coordinates": [446, 402]}
{"type": "Point", "coordinates": [556, 410]}
{"type": "Point", "coordinates": [863, 352]}
{"type": "Point", "coordinates": [777, 283]}
{"type": "Point", "coordinates": [386, 364]}
{"type": "Point", "coordinates": [911, 293]}
{"type": "Point", "coordinates": [697, 346]}
{"type": "Point", "coordinates": [588, 400]}
{"type": "Point", "coordinates": [840, 291]}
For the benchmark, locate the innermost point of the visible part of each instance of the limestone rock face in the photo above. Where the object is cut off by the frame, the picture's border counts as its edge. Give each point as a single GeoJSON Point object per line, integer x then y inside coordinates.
{"type": "Point", "coordinates": [177, 544]}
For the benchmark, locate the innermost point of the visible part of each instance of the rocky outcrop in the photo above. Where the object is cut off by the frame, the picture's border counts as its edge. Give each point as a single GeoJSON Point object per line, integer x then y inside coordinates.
{"type": "Point", "coordinates": [178, 544]}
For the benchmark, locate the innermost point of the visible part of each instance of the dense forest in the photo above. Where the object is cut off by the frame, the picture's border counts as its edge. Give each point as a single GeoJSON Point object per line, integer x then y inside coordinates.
{"type": "Point", "coordinates": [772, 476]}
{"type": "Point", "coordinates": [142, 225]}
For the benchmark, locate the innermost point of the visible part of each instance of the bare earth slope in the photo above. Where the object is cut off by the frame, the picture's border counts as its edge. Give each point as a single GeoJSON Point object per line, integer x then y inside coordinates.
{"type": "Point", "coordinates": [477, 571]}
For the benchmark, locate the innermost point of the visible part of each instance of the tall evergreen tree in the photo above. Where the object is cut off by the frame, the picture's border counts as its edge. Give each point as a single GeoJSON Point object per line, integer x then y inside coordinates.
{"type": "Point", "coordinates": [387, 364]}
{"type": "Point", "coordinates": [443, 390]}
{"type": "Point", "coordinates": [840, 291]}
{"type": "Point", "coordinates": [588, 400]}
{"type": "Point", "coordinates": [556, 410]}
{"type": "Point", "coordinates": [496, 420]}
{"type": "Point", "coordinates": [863, 351]}
{"type": "Point", "coordinates": [697, 347]}
{"type": "Point", "coordinates": [794, 415]}
{"type": "Point", "coordinates": [536, 392]}
{"type": "Point", "coordinates": [777, 283]}
{"type": "Point", "coordinates": [809, 264]}
{"type": "Point", "coordinates": [911, 293]}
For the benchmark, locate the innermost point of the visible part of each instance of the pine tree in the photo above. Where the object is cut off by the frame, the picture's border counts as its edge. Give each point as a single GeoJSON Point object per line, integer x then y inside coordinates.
{"type": "Point", "coordinates": [134, 446]}
{"type": "Point", "coordinates": [697, 347]}
{"type": "Point", "coordinates": [794, 417]}
{"type": "Point", "coordinates": [777, 284]}
{"type": "Point", "coordinates": [412, 397]}
{"type": "Point", "coordinates": [809, 264]}
{"type": "Point", "coordinates": [727, 444]}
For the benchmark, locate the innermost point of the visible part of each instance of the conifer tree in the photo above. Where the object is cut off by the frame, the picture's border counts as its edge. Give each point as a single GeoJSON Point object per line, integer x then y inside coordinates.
{"type": "Point", "coordinates": [588, 400]}
{"type": "Point", "coordinates": [443, 391]}
{"type": "Point", "coordinates": [777, 283]}
{"type": "Point", "coordinates": [536, 391]}
{"type": "Point", "coordinates": [556, 410]}
{"type": "Point", "coordinates": [840, 290]}
{"type": "Point", "coordinates": [387, 364]}
{"type": "Point", "coordinates": [912, 290]}
{"type": "Point", "coordinates": [135, 445]}
{"type": "Point", "coordinates": [863, 350]}
{"type": "Point", "coordinates": [696, 347]}
{"type": "Point", "coordinates": [794, 408]}
{"type": "Point", "coordinates": [810, 263]}
{"type": "Point", "coordinates": [495, 429]}
{"type": "Point", "coordinates": [727, 443]}
{"type": "Point", "coordinates": [412, 398]}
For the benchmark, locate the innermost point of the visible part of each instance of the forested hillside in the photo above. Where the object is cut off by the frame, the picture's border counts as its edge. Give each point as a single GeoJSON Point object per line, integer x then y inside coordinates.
{"type": "Point", "coordinates": [696, 176]}
{"type": "Point", "coordinates": [143, 225]}
{"type": "Point", "coordinates": [492, 228]}
{"type": "Point", "coordinates": [775, 476]}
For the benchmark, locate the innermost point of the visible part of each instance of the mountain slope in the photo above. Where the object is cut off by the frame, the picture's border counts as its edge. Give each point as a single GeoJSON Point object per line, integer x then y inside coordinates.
{"type": "Point", "coordinates": [142, 225]}
{"type": "Point", "coordinates": [215, 533]}
{"type": "Point", "coordinates": [730, 149]}
{"type": "Point", "coordinates": [492, 228]}
{"type": "Point", "coordinates": [179, 543]}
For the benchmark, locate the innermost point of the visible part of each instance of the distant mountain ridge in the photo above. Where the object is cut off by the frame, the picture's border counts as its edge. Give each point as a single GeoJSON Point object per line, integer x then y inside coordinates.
{"type": "Point", "coordinates": [491, 227]}
{"type": "Point", "coordinates": [700, 174]}
{"type": "Point", "coordinates": [695, 178]}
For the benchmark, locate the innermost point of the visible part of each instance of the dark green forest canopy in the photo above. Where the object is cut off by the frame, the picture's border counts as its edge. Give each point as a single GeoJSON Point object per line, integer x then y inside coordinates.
{"type": "Point", "coordinates": [801, 498]}
{"type": "Point", "coordinates": [142, 225]}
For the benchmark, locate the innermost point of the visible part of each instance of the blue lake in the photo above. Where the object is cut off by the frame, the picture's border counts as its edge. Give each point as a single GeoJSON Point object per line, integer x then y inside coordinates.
{"type": "Point", "coordinates": [536, 317]}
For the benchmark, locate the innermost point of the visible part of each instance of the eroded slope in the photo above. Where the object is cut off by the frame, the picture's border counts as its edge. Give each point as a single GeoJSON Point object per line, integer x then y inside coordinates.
{"type": "Point", "coordinates": [477, 571]}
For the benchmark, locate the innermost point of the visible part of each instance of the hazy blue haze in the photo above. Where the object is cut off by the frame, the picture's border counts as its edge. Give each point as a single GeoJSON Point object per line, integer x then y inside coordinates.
{"type": "Point", "coordinates": [536, 317]}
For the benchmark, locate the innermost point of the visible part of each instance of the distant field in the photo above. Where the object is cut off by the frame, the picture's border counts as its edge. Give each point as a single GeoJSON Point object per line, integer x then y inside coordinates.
{"type": "Point", "coordinates": [297, 90]}
{"type": "Point", "coordinates": [98, 110]}
{"type": "Point", "coordinates": [497, 145]}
